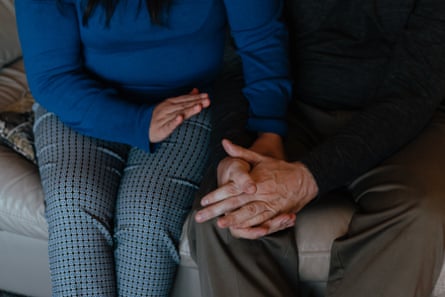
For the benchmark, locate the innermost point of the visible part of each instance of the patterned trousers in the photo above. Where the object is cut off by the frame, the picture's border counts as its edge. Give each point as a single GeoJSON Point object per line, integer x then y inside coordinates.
{"type": "Point", "coordinates": [115, 213]}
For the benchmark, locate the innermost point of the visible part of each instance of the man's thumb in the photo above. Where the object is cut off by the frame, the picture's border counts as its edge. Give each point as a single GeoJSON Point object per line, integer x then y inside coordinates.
{"type": "Point", "coordinates": [237, 151]}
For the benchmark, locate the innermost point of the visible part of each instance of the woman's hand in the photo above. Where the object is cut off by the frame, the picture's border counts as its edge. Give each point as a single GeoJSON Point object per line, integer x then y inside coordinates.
{"type": "Point", "coordinates": [172, 112]}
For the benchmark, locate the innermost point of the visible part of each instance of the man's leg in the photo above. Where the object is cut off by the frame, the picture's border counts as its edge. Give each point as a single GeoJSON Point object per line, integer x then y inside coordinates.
{"type": "Point", "coordinates": [240, 267]}
{"type": "Point", "coordinates": [230, 266]}
{"type": "Point", "coordinates": [395, 244]}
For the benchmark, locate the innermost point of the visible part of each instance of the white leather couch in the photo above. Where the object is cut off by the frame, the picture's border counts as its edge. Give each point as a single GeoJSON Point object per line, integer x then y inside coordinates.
{"type": "Point", "coordinates": [23, 229]}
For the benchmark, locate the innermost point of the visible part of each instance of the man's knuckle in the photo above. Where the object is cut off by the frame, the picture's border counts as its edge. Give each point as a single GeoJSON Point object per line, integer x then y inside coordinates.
{"type": "Point", "coordinates": [251, 209]}
{"type": "Point", "coordinates": [232, 189]}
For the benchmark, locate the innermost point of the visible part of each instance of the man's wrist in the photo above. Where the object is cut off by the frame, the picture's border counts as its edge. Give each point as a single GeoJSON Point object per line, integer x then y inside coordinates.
{"type": "Point", "coordinates": [308, 182]}
{"type": "Point", "coordinates": [269, 144]}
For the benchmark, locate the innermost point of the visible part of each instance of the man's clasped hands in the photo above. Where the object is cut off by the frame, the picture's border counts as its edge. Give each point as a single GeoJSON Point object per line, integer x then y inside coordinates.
{"type": "Point", "coordinates": [258, 192]}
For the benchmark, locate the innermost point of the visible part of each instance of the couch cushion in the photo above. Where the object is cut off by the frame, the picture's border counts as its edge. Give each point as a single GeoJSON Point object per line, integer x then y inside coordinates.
{"type": "Point", "coordinates": [9, 41]}
{"type": "Point", "coordinates": [13, 84]}
{"type": "Point", "coordinates": [317, 226]}
{"type": "Point", "coordinates": [21, 197]}
{"type": "Point", "coordinates": [16, 116]}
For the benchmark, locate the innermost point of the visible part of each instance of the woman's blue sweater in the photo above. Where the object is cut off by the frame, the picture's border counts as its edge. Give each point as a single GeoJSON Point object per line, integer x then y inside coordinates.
{"type": "Point", "coordinates": [104, 80]}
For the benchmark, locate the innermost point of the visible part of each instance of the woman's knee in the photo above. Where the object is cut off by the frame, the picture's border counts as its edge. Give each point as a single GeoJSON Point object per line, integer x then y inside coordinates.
{"type": "Point", "coordinates": [149, 221]}
{"type": "Point", "coordinates": [73, 208]}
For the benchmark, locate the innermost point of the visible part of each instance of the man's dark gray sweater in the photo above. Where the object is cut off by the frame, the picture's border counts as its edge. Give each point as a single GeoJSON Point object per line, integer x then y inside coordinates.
{"type": "Point", "coordinates": [382, 58]}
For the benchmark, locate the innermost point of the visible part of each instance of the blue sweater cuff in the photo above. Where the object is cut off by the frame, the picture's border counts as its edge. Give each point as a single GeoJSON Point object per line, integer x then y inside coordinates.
{"type": "Point", "coordinates": [142, 139]}
{"type": "Point", "coordinates": [267, 125]}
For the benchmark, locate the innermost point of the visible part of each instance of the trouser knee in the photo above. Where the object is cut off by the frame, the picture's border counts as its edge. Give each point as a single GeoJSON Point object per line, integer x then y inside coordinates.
{"type": "Point", "coordinates": [410, 208]}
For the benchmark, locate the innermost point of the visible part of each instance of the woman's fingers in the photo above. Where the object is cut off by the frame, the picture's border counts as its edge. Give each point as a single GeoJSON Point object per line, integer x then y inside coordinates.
{"type": "Point", "coordinates": [184, 99]}
{"type": "Point", "coordinates": [188, 108]}
{"type": "Point", "coordinates": [172, 112]}
{"type": "Point", "coordinates": [171, 121]}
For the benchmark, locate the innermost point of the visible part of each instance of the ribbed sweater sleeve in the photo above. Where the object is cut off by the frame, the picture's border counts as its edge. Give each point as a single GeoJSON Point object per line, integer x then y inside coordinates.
{"type": "Point", "coordinates": [413, 88]}
{"type": "Point", "coordinates": [262, 42]}
{"type": "Point", "coordinates": [51, 46]}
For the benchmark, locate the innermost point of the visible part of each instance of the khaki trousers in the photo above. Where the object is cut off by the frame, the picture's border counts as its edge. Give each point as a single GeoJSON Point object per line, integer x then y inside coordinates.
{"type": "Point", "coordinates": [395, 243]}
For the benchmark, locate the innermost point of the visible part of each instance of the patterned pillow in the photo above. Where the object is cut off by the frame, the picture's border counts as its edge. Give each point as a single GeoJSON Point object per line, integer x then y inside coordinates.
{"type": "Point", "coordinates": [16, 133]}
{"type": "Point", "coordinates": [16, 120]}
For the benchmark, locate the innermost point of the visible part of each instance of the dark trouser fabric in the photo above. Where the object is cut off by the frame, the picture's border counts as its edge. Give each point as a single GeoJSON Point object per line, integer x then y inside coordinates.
{"type": "Point", "coordinates": [395, 243]}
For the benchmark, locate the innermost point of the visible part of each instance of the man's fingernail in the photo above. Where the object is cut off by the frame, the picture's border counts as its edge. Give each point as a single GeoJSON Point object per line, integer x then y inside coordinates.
{"type": "Point", "coordinates": [199, 217]}
{"type": "Point", "coordinates": [285, 222]}
{"type": "Point", "coordinates": [288, 223]}
{"type": "Point", "coordinates": [204, 202]}
{"type": "Point", "coordinates": [261, 233]}
{"type": "Point", "coordinates": [223, 223]}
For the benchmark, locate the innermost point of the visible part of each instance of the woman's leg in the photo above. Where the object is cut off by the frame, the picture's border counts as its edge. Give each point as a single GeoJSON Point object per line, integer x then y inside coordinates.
{"type": "Point", "coordinates": [155, 197]}
{"type": "Point", "coordinates": [80, 178]}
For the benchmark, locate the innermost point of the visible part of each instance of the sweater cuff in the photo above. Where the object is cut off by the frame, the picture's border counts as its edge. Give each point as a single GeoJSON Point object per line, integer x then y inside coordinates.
{"type": "Point", "coordinates": [143, 137]}
{"type": "Point", "coordinates": [267, 125]}
{"type": "Point", "coordinates": [315, 168]}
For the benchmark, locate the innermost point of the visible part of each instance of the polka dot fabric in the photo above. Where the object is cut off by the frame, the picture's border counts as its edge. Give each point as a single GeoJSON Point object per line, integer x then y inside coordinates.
{"type": "Point", "coordinates": [115, 213]}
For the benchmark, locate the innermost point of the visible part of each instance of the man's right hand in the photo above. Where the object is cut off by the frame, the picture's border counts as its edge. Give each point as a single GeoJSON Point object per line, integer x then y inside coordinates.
{"type": "Point", "coordinates": [172, 112]}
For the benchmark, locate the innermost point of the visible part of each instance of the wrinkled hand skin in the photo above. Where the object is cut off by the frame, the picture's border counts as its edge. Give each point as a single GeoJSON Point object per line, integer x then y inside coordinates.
{"type": "Point", "coordinates": [257, 195]}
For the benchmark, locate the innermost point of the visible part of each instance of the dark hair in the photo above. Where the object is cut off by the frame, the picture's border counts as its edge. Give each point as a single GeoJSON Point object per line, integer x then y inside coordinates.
{"type": "Point", "coordinates": [154, 8]}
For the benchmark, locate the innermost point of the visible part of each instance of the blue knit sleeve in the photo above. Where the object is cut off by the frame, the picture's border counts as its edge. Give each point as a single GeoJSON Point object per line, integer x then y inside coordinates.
{"type": "Point", "coordinates": [262, 43]}
{"type": "Point", "coordinates": [58, 80]}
